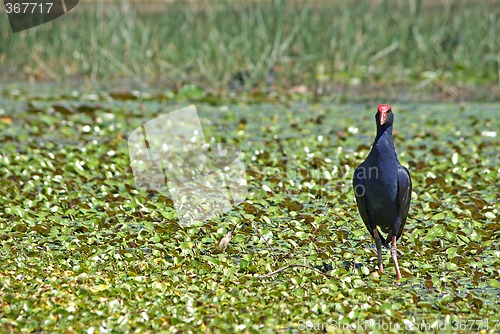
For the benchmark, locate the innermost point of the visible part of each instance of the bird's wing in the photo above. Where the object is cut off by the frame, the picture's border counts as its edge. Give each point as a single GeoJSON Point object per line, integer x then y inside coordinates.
{"type": "Point", "coordinates": [359, 193]}
{"type": "Point", "coordinates": [404, 196]}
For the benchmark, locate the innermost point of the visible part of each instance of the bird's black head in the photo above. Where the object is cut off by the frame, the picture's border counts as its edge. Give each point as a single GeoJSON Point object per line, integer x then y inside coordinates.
{"type": "Point", "coordinates": [384, 115]}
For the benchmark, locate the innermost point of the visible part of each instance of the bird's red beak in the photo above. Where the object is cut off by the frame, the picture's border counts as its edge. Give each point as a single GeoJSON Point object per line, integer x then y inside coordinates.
{"type": "Point", "coordinates": [384, 110]}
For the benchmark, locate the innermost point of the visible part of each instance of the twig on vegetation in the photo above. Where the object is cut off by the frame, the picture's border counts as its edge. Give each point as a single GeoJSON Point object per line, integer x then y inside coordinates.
{"type": "Point", "coordinates": [229, 236]}
{"type": "Point", "coordinates": [265, 240]}
{"type": "Point", "coordinates": [295, 266]}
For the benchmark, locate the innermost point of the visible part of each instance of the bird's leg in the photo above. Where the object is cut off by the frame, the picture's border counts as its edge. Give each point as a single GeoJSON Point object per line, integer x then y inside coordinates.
{"type": "Point", "coordinates": [378, 243]}
{"type": "Point", "coordinates": [394, 255]}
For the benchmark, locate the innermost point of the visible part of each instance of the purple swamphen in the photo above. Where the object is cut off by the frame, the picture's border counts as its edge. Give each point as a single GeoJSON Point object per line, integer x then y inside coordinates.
{"type": "Point", "coordinates": [383, 188]}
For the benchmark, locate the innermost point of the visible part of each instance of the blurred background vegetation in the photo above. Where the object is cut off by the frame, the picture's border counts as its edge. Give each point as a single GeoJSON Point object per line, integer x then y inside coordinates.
{"type": "Point", "coordinates": [447, 49]}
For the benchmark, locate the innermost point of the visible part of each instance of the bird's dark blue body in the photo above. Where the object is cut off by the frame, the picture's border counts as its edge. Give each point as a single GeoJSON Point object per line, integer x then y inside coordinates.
{"type": "Point", "coordinates": [381, 183]}
{"type": "Point", "coordinates": [383, 187]}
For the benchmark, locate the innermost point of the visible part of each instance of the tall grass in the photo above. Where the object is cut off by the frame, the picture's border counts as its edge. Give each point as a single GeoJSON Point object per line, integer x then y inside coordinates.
{"type": "Point", "coordinates": [214, 43]}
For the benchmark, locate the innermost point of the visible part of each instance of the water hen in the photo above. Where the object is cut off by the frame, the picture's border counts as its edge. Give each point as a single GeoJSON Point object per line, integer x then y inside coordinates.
{"type": "Point", "coordinates": [382, 188]}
